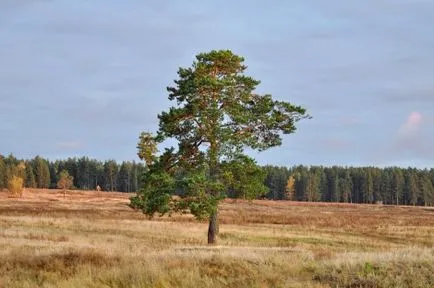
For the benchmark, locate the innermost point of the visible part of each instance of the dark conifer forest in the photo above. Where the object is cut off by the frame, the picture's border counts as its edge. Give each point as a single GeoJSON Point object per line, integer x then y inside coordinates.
{"type": "Point", "coordinates": [390, 186]}
{"type": "Point", "coordinates": [87, 173]}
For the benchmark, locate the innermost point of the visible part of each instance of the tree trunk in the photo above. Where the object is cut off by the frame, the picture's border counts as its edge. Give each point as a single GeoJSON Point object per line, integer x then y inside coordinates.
{"type": "Point", "coordinates": [213, 228]}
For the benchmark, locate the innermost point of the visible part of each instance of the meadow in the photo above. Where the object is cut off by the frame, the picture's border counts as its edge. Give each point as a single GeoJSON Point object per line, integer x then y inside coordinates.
{"type": "Point", "coordinates": [94, 239]}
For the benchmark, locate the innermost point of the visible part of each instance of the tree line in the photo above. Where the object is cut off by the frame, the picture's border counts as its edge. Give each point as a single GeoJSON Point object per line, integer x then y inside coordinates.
{"type": "Point", "coordinates": [86, 173]}
{"type": "Point", "coordinates": [392, 185]}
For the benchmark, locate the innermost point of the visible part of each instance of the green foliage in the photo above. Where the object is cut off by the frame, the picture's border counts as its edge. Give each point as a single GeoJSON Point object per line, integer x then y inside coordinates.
{"type": "Point", "coordinates": [147, 148]}
{"type": "Point", "coordinates": [346, 186]}
{"type": "Point", "coordinates": [427, 189]}
{"type": "Point", "coordinates": [155, 196]}
{"type": "Point", "coordinates": [276, 180]}
{"type": "Point", "coordinates": [124, 178]}
{"type": "Point", "coordinates": [110, 175]}
{"type": "Point", "coordinates": [392, 185]}
{"type": "Point", "coordinates": [42, 172]}
{"type": "Point", "coordinates": [84, 173]}
{"type": "Point", "coordinates": [2, 173]}
{"type": "Point", "coordinates": [401, 186]}
{"type": "Point", "coordinates": [217, 114]}
{"type": "Point", "coordinates": [244, 178]}
{"type": "Point", "coordinates": [200, 194]}
{"type": "Point", "coordinates": [30, 181]}
{"type": "Point", "coordinates": [87, 173]}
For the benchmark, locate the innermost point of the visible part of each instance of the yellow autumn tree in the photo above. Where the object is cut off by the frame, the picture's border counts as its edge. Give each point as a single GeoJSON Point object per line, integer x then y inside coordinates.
{"type": "Point", "coordinates": [65, 181]}
{"type": "Point", "coordinates": [290, 188]}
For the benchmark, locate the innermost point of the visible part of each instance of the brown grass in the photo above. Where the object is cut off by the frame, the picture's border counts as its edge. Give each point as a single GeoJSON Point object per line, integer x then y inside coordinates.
{"type": "Point", "coordinates": [91, 239]}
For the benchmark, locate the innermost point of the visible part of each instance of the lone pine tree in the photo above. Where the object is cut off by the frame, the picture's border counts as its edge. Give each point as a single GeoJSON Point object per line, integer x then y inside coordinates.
{"type": "Point", "coordinates": [216, 115]}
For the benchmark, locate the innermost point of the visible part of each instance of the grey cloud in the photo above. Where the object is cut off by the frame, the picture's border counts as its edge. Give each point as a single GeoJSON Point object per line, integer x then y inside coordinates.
{"type": "Point", "coordinates": [98, 70]}
{"type": "Point", "coordinates": [416, 95]}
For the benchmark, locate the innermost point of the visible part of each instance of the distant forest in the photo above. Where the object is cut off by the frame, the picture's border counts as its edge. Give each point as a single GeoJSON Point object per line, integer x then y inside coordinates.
{"type": "Point", "coordinates": [87, 173]}
{"type": "Point", "coordinates": [393, 185]}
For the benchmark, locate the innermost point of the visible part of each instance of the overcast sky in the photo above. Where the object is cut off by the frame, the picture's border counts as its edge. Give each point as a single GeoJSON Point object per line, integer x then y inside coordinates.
{"type": "Point", "coordinates": [85, 77]}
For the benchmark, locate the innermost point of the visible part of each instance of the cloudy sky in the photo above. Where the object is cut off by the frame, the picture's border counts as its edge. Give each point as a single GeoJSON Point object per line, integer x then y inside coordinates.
{"type": "Point", "coordinates": [85, 77]}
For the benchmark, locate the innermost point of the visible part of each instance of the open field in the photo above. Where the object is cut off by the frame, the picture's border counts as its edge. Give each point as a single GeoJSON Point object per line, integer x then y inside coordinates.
{"type": "Point", "coordinates": [90, 239]}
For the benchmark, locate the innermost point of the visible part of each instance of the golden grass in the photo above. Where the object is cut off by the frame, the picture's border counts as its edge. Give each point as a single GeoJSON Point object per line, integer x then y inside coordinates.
{"type": "Point", "coordinates": [92, 239]}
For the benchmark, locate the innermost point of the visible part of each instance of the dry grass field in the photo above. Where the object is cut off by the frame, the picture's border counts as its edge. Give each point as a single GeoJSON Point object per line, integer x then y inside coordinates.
{"type": "Point", "coordinates": [90, 239]}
